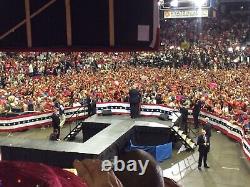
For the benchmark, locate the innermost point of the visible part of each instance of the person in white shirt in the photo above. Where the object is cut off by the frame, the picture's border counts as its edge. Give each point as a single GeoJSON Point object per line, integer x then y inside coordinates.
{"type": "Point", "coordinates": [31, 70]}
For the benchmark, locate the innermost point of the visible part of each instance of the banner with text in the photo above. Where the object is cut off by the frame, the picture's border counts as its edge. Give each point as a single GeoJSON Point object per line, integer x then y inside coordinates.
{"type": "Point", "coordinates": [186, 13]}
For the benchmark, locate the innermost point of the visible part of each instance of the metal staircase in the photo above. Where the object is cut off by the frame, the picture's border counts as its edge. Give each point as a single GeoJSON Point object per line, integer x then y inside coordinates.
{"type": "Point", "coordinates": [183, 137]}
{"type": "Point", "coordinates": [73, 133]}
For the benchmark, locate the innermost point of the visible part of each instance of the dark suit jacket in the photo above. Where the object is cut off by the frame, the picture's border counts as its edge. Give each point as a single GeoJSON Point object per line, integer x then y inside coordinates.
{"type": "Point", "coordinates": [184, 114]}
{"type": "Point", "coordinates": [88, 100]}
{"type": "Point", "coordinates": [197, 108]}
{"type": "Point", "coordinates": [208, 127]}
{"type": "Point", "coordinates": [55, 121]}
{"type": "Point", "coordinates": [201, 141]}
{"type": "Point", "coordinates": [134, 96]}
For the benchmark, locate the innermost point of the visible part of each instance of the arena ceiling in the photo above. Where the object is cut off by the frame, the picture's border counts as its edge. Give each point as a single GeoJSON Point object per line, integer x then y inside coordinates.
{"type": "Point", "coordinates": [78, 24]}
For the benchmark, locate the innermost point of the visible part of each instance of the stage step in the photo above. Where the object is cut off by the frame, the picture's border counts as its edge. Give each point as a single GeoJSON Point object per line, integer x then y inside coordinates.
{"type": "Point", "coordinates": [184, 136]}
{"type": "Point", "coordinates": [188, 142]}
{"type": "Point", "coordinates": [176, 128]}
{"type": "Point", "coordinates": [192, 145]}
{"type": "Point", "coordinates": [180, 132]}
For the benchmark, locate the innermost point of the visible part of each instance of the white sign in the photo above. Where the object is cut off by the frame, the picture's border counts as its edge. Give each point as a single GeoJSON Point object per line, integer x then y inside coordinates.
{"type": "Point", "coordinates": [186, 13]}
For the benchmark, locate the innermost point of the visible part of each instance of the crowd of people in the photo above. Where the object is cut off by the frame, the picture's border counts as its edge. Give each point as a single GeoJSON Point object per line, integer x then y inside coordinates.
{"type": "Point", "coordinates": [198, 60]}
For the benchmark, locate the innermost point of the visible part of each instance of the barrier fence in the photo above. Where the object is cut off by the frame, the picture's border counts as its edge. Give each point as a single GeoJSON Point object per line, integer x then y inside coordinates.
{"type": "Point", "coordinates": [38, 119]}
{"type": "Point", "coordinates": [233, 131]}
{"type": "Point", "coordinates": [236, 132]}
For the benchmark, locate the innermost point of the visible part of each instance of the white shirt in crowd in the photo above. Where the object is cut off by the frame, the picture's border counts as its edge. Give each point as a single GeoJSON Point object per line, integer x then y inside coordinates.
{"type": "Point", "coordinates": [30, 68]}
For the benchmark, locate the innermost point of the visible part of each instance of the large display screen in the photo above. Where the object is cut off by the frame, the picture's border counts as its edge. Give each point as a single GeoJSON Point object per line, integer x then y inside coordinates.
{"type": "Point", "coordinates": [178, 4]}
{"type": "Point", "coordinates": [187, 8]}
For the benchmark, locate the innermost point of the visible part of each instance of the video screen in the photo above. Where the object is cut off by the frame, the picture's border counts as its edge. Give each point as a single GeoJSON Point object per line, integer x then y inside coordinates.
{"type": "Point", "coordinates": [185, 3]}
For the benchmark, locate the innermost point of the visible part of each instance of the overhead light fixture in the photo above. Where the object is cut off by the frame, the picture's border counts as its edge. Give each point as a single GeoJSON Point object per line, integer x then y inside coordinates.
{"type": "Point", "coordinates": [174, 3]}
{"type": "Point", "coordinates": [199, 3]}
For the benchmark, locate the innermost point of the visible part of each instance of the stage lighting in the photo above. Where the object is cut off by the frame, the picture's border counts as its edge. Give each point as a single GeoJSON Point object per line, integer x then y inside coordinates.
{"type": "Point", "coordinates": [199, 3]}
{"type": "Point", "coordinates": [174, 3]}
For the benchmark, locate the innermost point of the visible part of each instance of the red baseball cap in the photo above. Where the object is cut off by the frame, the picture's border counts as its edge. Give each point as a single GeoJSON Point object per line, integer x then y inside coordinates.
{"type": "Point", "coordinates": [27, 174]}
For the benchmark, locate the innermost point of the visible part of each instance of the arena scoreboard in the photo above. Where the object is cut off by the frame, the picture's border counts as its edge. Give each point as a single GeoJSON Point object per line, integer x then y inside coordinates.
{"type": "Point", "coordinates": [188, 8]}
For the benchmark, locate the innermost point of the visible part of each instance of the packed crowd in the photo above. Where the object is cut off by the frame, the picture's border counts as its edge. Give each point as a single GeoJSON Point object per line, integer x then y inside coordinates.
{"type": "Point", "coordinates": [209, 42]}
{"type": "Point", "coordinates": [205, 64]}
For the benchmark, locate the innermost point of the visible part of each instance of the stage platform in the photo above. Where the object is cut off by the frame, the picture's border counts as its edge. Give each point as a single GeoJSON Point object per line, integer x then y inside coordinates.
{"type": "Point", "coordinates": [104, 145]}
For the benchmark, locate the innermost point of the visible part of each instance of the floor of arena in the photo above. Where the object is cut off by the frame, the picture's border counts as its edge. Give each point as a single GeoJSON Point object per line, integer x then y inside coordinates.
{"type": "Point", "coordinates": [228, 165]}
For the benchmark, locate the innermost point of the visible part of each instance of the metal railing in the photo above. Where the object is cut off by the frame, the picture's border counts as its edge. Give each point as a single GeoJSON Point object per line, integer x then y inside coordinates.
{"type": "Point", "coordinates": [77, 115]}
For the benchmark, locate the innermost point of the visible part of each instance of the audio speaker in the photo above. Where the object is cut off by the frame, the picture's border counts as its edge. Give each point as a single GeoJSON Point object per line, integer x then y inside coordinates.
{"type": "Point", "coordinates": [164, 117]}
{"type": "Point", "coordinates": [106, 112]}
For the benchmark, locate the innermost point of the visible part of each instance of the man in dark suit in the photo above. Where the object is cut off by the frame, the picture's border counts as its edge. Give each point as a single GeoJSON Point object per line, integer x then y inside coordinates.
{"type": "Point", "coordinates": [204, 144]}
{"type": "Point", "coordinates": [88, 102]}
{"type": "Point", "coordinates": [134, 100]}
{"type": "Point", "coordinates": [55, 124]}
{"type": "Point", "coordinates": [208, 127]}
{"type": "Point", "coordinates": [184, 118]}
{"type": "Point", "coordinates": [196, 113]}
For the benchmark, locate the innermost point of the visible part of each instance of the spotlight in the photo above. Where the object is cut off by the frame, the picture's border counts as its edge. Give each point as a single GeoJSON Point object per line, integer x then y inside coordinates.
{"type": "Point", "coordinates": [174, 3]}
{"type": "Point", "coordinates": [199, 3]}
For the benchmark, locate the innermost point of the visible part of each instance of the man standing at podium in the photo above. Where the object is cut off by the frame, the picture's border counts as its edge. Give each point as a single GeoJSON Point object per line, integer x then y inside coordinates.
{"type": "Point", "coordinates": [134, 100]}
